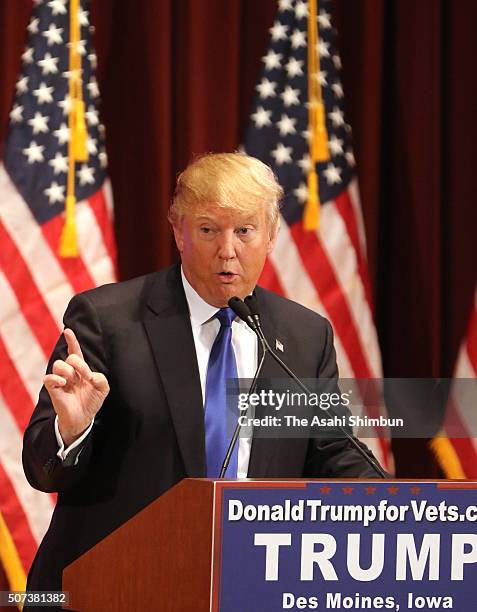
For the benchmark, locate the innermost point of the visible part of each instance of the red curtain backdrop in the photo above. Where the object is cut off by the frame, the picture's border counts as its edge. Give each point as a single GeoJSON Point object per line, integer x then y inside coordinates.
{"type": "Point", "coordinates": [177, 78]}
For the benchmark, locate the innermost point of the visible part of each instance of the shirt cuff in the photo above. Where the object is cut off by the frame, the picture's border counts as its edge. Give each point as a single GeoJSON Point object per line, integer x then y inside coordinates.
{"type": "Point", "coordinates": [62, 451]}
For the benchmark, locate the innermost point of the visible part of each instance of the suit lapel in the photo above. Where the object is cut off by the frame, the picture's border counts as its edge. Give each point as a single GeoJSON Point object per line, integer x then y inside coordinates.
{"type": "Point", "coordinates": [168, 327]}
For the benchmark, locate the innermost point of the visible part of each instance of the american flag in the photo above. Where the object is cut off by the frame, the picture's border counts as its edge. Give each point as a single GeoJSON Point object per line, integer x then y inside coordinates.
{"type": "Point", "coordinates": [456, 447]}
{"type": "Point", "coordinates": [36, 283]}
{"type": "Point", "coordinates": [325, 269]}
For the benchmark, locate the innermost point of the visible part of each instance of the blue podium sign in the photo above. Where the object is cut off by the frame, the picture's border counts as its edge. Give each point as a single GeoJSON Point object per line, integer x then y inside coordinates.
{"type": "Point", "coordinates": [345, 545]}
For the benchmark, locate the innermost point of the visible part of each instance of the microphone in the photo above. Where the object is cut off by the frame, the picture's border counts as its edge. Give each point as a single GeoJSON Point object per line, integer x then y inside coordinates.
{"type": "Point", "coordinates": [243, 312]}
{"type": "Point", "coordinates": [248, 311]}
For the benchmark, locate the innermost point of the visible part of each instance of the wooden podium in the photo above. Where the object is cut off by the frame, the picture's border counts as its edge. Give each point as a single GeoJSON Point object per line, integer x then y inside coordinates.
{"type": "Point", "coordinates": [201, 546]}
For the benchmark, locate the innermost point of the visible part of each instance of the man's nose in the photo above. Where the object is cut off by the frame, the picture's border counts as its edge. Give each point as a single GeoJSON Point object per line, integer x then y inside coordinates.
{"type": "Point", "coordinates": [227, 245]}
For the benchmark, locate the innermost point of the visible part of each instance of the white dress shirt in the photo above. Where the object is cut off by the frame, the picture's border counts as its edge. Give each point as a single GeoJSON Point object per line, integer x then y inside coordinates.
{"type": "Point", "coordinates": [204, 330]}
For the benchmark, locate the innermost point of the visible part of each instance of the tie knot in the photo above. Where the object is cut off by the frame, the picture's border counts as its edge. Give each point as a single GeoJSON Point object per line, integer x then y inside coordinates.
{"type": "Point", "coordinates": [225, 316]}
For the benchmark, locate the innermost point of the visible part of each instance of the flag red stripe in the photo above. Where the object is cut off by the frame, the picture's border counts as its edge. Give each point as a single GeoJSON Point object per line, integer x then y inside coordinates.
{"type": "Point", "coordinates": [13, 389]}
{"type": "Point", "coordinates": [16, 521]}
{"type": "Point", "coordinates": [73, 267]}
{"type": "Point", "coordinates": [463, 446]}
{"type": "Point", "coordinates": [31, 301]}
{"type": "Point", "coordinates": [334, 301]}
{"type": "Point", "coordinates": [347, 212]}
{"type": "Point", "coordinates": [269, 278]}
{"type": "Point", "coordinates": [99, 207]}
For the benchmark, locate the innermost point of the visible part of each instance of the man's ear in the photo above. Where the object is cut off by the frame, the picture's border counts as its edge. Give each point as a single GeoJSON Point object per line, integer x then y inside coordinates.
{"type": "Point", "coordinates": [273, 237]}
{"type": "Point", "coordinates": [178, 235]}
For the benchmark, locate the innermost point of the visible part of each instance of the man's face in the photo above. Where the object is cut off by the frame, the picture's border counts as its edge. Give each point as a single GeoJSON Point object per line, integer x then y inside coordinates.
{"type": "Point", "coordinates": [223, 252]}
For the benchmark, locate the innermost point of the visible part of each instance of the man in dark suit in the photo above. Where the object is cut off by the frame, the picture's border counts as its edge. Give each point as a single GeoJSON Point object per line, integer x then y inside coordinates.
{"type": "Point", "coordinates": [121, 416]}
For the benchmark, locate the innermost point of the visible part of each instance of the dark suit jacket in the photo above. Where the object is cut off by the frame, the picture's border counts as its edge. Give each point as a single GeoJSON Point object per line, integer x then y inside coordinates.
{"type": "Point", "coordinates": [149, 433]}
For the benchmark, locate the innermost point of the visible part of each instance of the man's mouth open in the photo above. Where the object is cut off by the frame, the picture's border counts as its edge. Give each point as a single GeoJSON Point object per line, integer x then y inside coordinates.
{"type": "Point", "coordinates": [227, 277]}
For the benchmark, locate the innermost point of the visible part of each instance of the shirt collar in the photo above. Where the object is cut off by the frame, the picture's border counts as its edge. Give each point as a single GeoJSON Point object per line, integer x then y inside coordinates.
{"type": "Point", "coordinates": [200, 311]}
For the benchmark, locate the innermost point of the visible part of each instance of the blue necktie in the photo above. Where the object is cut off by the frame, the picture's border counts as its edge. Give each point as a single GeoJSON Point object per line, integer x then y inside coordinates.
{"type": "Point", "coordinates": [222, 365]}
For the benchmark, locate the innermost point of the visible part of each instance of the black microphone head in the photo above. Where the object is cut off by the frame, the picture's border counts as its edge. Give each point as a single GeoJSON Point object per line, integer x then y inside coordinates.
{"type": "Point", "coordinates": [242, 310]}
{"type": "Point", "coordinates": [239, 307]}
{"type": "Point", "coordinates": [252, 303]}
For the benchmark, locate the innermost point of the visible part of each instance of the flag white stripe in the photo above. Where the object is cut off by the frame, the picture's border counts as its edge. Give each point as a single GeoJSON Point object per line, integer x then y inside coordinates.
{"type": "Point", "coordinates": [297, 285]}
{"type": "Point", "coordinates": [91, 245]}
{"type": "Point", "coordinates": [353, 192]}
{"type": "Point", "coordinates": [342, 257]}
{"type": "Point", "coordinates": [21, 345]}
{"type": "Point", "coordinates": [36, 505]}
{"type": "Point", "coordinates": [30, 242]}
{"type": "Point", "coordinates": [108, 196]}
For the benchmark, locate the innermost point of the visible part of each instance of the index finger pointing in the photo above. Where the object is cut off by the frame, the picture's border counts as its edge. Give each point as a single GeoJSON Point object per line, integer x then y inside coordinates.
{"type": "Point", "coordinates": [74, 347]}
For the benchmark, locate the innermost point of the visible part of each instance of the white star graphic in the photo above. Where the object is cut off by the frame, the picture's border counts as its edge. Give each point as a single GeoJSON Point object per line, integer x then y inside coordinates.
{"type": "Point", "coordinates": [22, 85]}
{"type": "Point", "coordinates": [93, 60]}
{"type": "Point", "coordinates": [83, 17]}
{"type": "Point", "coordinates": [323, 47]}
{"type": "Point", "coordinates": [266, 88]}
{"type": "Point", "coordinates": [262, 117]}
{"type": "Point", "coordinates": [103, 158]}
{"type": "Point", "coordinates": [55, 193]}
{"type": "Point", "coordinates": [58, 7]}
{"type": "Point", "coordinates": [301, 193]}
{"type": "Point", "coordinates": [59, 163]}
{"type": "Point", "coordinates": [62, 133]}
{"type": "Point", "coordinates": [285, 5]}
{"type": "Point", "coordinates": [290, 96]}
{"type": "Point", "coordinates": [336, 145]}
{"type": "Point", "coordinates": [337, 62]}
{"type": "Point", "coordinates": [324, 20]}
{"type": "Point", "coordinates": [304, 163]}
{"type": "Point", "coordinates": [337, 90]}
{"type": "Point", "coordinates": [39, 123]}
{"type": "Point", "coordinates": [48, 64]}
{"type": "Point", "coordinates": [34, 152]}
{"type": "Point", "coordinates": [33, 26]}
{"type": "Point", "coordinates": [79, 46]}
{"type": "Point", "coordinates": [272, 60]}
{"type": "Point", "coordinates": [286, 125]}
{"type": "Point", "coordinates": [27, 55]}
{"type": "Point", "coordinates": [278, 31]}
{"type": "Point", "coordinates": [282, 154]}
{"type": "Point", "coordinates": [85, 175]}
{"type": "Point", "coordinates": [322, 78]}
{"type": "Point", "coordinates": [350, 157]}
{"type": "Point", "coordinates": [74, 75]}
{"type": "Point", "coordinates": [298, 39]}
{"type": "Point", "coordinates": [16, 114]}
{"type": "Point", "coordinates": [301, 10]}
{"type": "Point", "coordinates": [294, 67]}
{"type": "Point", "coordinates": [92, 116]}
{"type": "Point", "coordinates": [43, 94]}
{"type": "Point", "coordinates": [337, 117]}
{"type": "Point", "coordinates": [93, 88]}
{"type": "Point", "coordinates": [91, 146]}
{"type": "Point", "coordinates": [53, 35]}
{"type": "Point", "coordinates": [65, 104]}
{"type": "Point", "coordinates": [306, 135]}
{"type": "Point", "coordinates": [332, 174]}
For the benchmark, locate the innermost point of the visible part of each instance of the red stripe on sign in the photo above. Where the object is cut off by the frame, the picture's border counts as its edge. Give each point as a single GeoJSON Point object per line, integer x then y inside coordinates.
{"type": "Point", "coordinates": [13, 389]}
{"type": "Point", "coordinates": [269, 278]}
{"type": "Point", "coordinates": [31, 301]}
{"type": "Point", "coordinates": [471, 341]}
{"type": "Point", "coordinates": [99, 207]}
{"type": "Point", "coordinates": [332, 297]}
{"type": "Point", "coordinates": [16, 521]}
{"type": "Point", "coordinates": [73, 267]}
{"type": "Point", "coordinates": [347, 212]}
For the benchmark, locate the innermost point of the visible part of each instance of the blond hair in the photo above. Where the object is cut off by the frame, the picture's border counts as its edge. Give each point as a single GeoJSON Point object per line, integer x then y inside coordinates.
{"type": "Point", "coordinates": [228, 180]}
